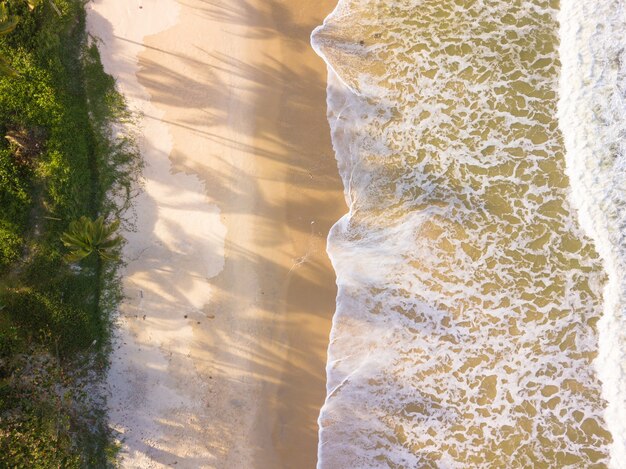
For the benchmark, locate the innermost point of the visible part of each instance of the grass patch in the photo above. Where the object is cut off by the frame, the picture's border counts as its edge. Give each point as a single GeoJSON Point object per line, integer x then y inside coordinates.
{"type": "Point", "coordinates": [59, 160]}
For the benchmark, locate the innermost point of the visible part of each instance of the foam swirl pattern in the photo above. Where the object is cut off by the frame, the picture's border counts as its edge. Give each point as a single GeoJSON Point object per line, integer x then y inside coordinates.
{"type": "Point", "coordinates": [469, 297]}
{"type": "Point", "coordinates": [592, 110]}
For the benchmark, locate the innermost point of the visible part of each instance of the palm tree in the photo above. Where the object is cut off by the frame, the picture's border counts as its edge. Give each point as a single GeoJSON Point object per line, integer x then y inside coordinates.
{"type": "Point", "coordinates": [86, 237]}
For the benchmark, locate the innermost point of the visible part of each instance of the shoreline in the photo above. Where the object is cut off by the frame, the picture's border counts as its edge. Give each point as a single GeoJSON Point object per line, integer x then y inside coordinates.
{"type": "Point", "coordinates": [237, 334]}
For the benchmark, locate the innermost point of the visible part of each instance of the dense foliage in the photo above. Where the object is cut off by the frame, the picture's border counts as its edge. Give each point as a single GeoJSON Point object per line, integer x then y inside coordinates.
{"type": "Point", "coordinates": [58, 163]}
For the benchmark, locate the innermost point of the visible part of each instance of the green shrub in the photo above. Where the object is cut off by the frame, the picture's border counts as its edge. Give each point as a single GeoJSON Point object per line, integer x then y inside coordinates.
{"type": "Point", "coordinates": [37, 433]}
{"type": "Point", "coordinates": [10, 343]}
{"type": "Point", "coordinates": [14, 189]}
{"type": "Point", "coordinates": [30, 441]}
{"type": "Point", "coordinates": [63, 98]}
{"type": "Point", "coordinates": [61, 327]}
{"type": "Point", "coordinates": [10, 244]}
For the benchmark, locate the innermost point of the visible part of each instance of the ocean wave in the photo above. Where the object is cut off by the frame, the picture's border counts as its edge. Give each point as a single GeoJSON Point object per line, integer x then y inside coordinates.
{"type": "Point", "coordinates": [468, 296]}
{"type": "Point", "coordinates": [591, 112]}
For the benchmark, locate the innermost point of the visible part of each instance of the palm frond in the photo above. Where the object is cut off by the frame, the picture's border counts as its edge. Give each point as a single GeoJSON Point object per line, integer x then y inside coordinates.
{"type": "Point", "coordinates": [111, 243]}
{"type": "Point", "coordinates": [107, 256]}
{"type": "Point", "coordinates": [86, 236]}
{"type": "Point", "coordinates": [78, 255]}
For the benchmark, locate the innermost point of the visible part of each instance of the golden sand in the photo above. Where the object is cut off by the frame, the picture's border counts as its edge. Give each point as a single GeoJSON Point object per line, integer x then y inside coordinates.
{"type": "Point", "coordinates": [242, 95]}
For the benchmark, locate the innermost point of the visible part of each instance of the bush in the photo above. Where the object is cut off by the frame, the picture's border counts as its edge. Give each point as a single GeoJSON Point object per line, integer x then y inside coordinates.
{"type": "Point", "coordinates": [61, 327]}
{"type": "Point", "coordinates": [37, 433]}
{"type": "Point", "coordinates": [61, 103]}
{"type": "Point", "coordinates": [10, 244]}
{"type": "Point", "coordinates": [14, 185]}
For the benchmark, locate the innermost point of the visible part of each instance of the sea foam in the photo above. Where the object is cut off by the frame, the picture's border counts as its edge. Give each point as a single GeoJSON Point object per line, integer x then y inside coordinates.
{"type": "Point", "coordinates": [592, 114]}
{"type": "Point", "coordinates": [468, 300]}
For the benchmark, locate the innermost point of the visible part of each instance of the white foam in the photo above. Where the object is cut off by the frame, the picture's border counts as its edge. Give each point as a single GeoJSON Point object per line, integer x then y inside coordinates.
{"type": "Point", "coordinates": [459, 301]}
{"type": "Point", "coordinates": [592, 113]}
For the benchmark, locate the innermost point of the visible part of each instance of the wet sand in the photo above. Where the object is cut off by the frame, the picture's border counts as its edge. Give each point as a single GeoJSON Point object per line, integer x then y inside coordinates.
{"type": "Point", "coordinates": [221, 349]}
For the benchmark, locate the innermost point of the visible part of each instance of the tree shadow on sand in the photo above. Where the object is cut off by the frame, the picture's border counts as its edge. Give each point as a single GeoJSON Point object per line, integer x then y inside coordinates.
{"type": "Point", "coordinates": [233, 352]}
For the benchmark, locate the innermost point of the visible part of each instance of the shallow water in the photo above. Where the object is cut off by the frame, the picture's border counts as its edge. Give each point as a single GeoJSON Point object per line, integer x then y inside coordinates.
{"type": "Point", "coordinates": [469, 296]}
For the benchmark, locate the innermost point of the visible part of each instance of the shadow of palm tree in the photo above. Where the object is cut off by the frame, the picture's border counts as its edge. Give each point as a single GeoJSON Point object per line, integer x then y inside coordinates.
{"type": "Point", "coordinates": [233, 112]}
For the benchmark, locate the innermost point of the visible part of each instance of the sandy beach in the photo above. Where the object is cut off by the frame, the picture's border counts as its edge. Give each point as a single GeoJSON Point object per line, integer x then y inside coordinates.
{"type": "Point", "coordinates": [220, 354]}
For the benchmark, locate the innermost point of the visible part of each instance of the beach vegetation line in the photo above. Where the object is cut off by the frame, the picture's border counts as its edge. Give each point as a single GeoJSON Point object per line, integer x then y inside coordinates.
{"type": "Point", "coordinates": [65, 161]}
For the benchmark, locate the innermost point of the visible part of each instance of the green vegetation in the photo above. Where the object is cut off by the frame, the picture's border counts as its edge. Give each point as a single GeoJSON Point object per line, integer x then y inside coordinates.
{"type": "Point", "coordinates": [8, 23]}
{"type": "Point", "coordinates": [86, 237]}
{"type": "Point", "coordinates": [58, 163]}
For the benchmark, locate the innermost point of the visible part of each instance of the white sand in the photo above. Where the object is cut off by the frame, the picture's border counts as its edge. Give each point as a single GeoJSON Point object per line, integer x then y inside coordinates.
{"type": "Point", "coordinates": [156, 401]}
{"type": "Point", "coordinates": [233, 100]}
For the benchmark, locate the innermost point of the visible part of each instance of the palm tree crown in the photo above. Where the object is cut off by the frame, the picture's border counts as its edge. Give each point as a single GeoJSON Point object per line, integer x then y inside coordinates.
{"type": "Point", "coordinates": [85, 237]}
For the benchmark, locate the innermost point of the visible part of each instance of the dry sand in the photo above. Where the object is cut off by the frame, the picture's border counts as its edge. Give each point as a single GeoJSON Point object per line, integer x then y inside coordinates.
{"type": "Point", "coordinates": [221, 348]}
